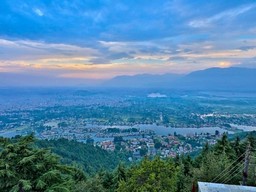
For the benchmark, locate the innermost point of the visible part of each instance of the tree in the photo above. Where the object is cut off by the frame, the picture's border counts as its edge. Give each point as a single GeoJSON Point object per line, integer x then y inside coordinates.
{"type": "Point", "coordinates": [237, 147]}
{"type": "Point", "coordinates": [198, 161]}
{"type": "Point", "coordinates": [212, 165]}
{"type": "Point", "coordinates": [143, 151]}
{"type": "Point", "coordinates": [223, 146]}
{"type": "Point", "coordinates": [187, 162]}
{"type": "Point", "coordinates": [252, 139]}
{"type": "Point", "coordinates": [119, 175]}
{"type": "Point", "coordinates": [91, 185]}
{"type": "Point", "coordinates": [158, 144]}
{"type": "Point", "coordinates": [107, 180]}
{"type": "Point", "coordinates": [82, 154]}
{"type": "Point", "coordinates": [152, 176]}
{"type": "Point", "coordinates": [24, 168]}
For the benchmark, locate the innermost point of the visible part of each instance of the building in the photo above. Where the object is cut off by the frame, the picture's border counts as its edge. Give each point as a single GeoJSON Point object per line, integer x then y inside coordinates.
{"type": "Point", "coordinates": [218, 187]}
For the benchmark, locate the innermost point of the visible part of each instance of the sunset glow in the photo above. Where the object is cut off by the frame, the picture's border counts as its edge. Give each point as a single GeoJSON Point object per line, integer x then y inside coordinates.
{"type": "Point", "coordinates": [86, 40]}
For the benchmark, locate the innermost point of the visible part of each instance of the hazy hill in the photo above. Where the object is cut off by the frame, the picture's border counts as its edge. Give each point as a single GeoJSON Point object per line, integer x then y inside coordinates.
{"type": "Point", "coordinates": [221, 79]}
{"type": "Point", "coordinates": [225, 79]}
{"type": "Point", "coordinates": [143, 81]}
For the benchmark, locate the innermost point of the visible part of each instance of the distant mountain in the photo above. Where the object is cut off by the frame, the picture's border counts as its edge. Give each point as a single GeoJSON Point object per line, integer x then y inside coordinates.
{"type": "Point", "coordinates": [143, 81]}
{"type": "Point", "coordinates": [220, 79]}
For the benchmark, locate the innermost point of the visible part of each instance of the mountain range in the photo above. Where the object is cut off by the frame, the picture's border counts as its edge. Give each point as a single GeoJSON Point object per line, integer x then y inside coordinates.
{"type": "Point", "coordinates": [143, 81]}
{"type": "Point", "coordinates": [219, 79]}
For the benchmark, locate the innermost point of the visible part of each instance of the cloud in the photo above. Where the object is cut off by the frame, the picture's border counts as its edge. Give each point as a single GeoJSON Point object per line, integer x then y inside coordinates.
{"type": "Point", "coordinates": [178, 58]}
{"type": "Point", "coordinates": [249, 63]}
{"type": "Point", "coordinates": [102, 39]}
{"type": "Point", "coordinates": [108, 59]}
{"type": "Point", "coordinates": [225, 15]}
{"type": "Point", "coordinates": [38, 12]}
{"type": "Point", "coordinates": [246, 48]}
{"type": "Point", "coordinates": [31, 50]}
{"type": "Point", "coordinates": [224, 64]}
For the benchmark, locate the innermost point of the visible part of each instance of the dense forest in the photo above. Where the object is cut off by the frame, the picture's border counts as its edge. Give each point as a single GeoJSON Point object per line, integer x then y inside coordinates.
{"type": "Point", "coordinates": [30, 165]}
{"type": "Point", "coordinates": [90, 158]}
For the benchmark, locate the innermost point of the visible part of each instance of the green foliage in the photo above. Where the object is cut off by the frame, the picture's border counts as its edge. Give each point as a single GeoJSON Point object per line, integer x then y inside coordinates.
{"type": "Point", "coordinates": [155, 175]}
{"type": "Point", "coordinates": [92, 185]}
{"type": "Point", "coordinates": [91, 159]}
{"type": "Point", "coordinates": [223, 159]}
{"type": "Point", "coordinates": [24, 168]}
{"type": "Point", "coordinates": [224, 146]}
{"type": "Point", "coordinates": [143, 151]}
{"type": "Point", "coordinates": [157, 144]}
{"type": "Point", "coordinates": [211, 166]}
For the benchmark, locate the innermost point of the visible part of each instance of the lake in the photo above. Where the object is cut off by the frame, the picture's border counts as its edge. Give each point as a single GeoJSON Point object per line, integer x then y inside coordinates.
{"type": "Point", "coordinates": [162, 130]}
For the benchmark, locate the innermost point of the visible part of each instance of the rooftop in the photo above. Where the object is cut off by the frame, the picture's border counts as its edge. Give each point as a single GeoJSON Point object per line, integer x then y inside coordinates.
{"type": "Point", "coordinates": [218, 187]}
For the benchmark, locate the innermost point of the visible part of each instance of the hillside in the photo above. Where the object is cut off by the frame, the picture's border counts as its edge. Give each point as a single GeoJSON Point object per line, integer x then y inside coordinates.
{"type": "Point", "coordinates": [24, 167]}
{"type": "Point", "coordinates": [91, 159]}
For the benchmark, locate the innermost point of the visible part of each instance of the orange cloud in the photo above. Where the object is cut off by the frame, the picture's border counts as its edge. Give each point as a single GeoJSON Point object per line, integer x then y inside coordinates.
{"type": "Point", "coordinates": [224, 64]}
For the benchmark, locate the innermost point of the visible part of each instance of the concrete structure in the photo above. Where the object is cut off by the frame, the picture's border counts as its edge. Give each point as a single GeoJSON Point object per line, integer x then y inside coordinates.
{"type": "Point", "coordinates": [218, 187]}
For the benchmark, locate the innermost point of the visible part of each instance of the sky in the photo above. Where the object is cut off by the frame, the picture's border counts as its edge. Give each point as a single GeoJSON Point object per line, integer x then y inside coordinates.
{"type": "Point", "coordinates": [100, 39]}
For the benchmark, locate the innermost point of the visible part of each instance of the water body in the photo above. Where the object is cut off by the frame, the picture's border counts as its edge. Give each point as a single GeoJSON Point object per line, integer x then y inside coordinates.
{"type": "Point", "coordinates": [159, 130]}
{"type": "Point", "coordinates": [100, 139]}
{"type": "Point", "coordinates": [162, 130]}
{"type": "Point", "coordinates": [11, 133]}
{"type": "Point", "coordinates": [244, 127]}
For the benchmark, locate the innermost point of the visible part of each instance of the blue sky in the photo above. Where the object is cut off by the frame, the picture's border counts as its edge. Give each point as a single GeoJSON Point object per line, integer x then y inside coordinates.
{"type": "Point", "coordinates": [100, 39]}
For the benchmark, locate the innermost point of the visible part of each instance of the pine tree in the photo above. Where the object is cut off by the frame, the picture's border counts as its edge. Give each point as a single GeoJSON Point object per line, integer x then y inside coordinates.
{"type": "Point", "coordinates": [24, 168]}
{"type": "Point", "coordinates": [155, 175]}
{"type": "Point", "coordinates": [224, 146]}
